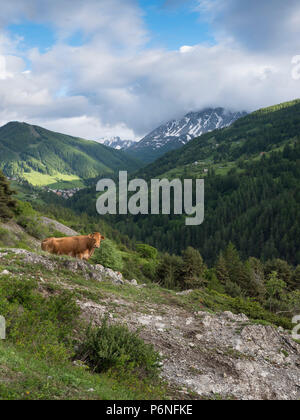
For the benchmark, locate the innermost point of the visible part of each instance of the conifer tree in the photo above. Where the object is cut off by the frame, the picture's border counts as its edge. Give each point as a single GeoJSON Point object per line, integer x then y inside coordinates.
{"type": "Point", "coordinates": [7, 203]}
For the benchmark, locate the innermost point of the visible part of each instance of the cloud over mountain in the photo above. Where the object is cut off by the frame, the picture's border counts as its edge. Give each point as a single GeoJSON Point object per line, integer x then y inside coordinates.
{"type": "Point", "coordinates": [112, 83]}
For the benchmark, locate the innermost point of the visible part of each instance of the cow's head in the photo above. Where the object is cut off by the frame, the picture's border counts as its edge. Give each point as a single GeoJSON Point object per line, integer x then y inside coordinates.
{"type": "Point", "coordinates": [97, 237]}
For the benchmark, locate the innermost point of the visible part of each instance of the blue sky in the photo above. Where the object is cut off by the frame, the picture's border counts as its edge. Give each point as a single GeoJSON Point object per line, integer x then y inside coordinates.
{"type": "Point", "coordinates": [101, 68]}
{"type": "Point", "coordinates": [177, 25]}
{"type": "Point", "coordinates": [170, 25]}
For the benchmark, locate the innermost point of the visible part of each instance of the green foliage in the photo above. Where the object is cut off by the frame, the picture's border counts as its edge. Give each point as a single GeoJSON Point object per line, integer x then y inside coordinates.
{"type": "Point", "coordinates": [282, 269]}
{"type": "Point", "coordinates": [256, 275]}
{"type": "Point", "coordinates": [168, 272]}
{"type": "Point", "coordinates": [249, 135]}
{"type": "Point", "coordinates": [114, 347]}
{"type": "Point", "coordinates": [108, 255]}
{"type": "Point", "coordinates": [146, 251]}
{"type": "Point", "coordinates": [293, 301]}
{"type": "Point", "coordinates": [7, 203]}
{"type": "Point", "coordinates": [24, 377]}
{"type": "Point", "coordinates": [251, 191]}
{"type": "Point", "coordinates": [238, 305]}
{"type": "Point", "coordinates": [212, 282]}
{"type": "Point", "coordinates": [5, 237]}
{"type": "Point", "coordinates": [43, 326]}
{"type": "Point", "coordinates": [33, 226]}
{"type": "Point", "coordinates": [275, 289]}
{"type": "Point", "coordinates": [31, 151]}
{"type": "Point", "coordinates": [295, 279]}
{"type": "Point", "coordinates": [193, 268]}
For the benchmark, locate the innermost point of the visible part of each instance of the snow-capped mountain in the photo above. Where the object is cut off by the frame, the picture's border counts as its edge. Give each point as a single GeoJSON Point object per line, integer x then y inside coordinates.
{"type": "Point", "coordinates": [117, 143]}
{"type": "Point", "coordinates": [177, 133]}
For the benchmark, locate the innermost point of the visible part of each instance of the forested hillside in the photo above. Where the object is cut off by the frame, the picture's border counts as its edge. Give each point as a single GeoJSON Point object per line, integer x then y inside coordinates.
{"type": "Point", "coordinates": [7, 202]}
{"type": "Point", "coordinates": [49, 301]}
{"type": "Point", "coordinates": [252, 201]}
{"type": "Point", "coordinates": [43, 157]}
{"type": "Point", "coordinates": [256, 133]}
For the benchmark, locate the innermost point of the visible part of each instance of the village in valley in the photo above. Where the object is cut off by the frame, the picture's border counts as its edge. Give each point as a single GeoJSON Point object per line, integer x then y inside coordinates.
{"type": "Point", "coordinates": [66, 194]}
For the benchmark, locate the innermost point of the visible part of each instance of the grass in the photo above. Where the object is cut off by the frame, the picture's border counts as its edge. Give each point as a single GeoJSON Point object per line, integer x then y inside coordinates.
{"type": "Point", "coordinates": [40, 180]}
{"type": "Point", "coordinates": [23, 377]}
{"type": "Point", "coordinates": [28, 372]}
{"type": "Point", "coordinates": [43, 331]}
{"type": "Point", "coordinates": [198, 300]}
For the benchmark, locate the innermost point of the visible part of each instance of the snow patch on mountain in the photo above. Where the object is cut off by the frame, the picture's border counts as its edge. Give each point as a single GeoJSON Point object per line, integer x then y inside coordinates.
{"type": "Point", "coordinates": [178, 132]}
{"type": "Point", "coordinates": [116, 143]}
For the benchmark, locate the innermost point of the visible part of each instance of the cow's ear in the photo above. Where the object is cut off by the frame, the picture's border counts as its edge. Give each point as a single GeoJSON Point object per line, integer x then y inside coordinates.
{"type": "Point", "coordinates": [102, 237]}
{"type": "Point", "coordinates": [91, 236]}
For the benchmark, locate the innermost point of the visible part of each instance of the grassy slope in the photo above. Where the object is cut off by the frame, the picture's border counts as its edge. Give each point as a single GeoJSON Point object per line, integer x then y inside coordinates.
{"type": "Point", "coordinates": [28, 151]}
{"type": "Point", "coordinates": [26, 376]}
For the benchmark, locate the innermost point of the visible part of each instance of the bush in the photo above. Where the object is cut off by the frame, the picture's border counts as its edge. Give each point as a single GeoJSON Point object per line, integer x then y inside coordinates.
{"type": "Point", "coordinates": [168, 271]}
{"type": "Point", "coordinates": [43, 326]}
{"type": "Point", "coordinates": [252, 309]}
{"type": "Point", "coordinates": [109, 256]}
{"type": "Point", "coordinates": [33, 226]}
{"type": "Point", "coordinates": [111, 347]}
{"type": "Point", "coordinates": [6, 238]}
{"type": "Point", "coordinates": [146, 251]}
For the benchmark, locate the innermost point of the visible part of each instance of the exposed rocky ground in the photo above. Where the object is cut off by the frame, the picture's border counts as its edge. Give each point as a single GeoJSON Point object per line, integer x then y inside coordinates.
{"type": "Point", "coordinates": [205, 354]}
{"type": "Point", "coordinates": [59, 226]}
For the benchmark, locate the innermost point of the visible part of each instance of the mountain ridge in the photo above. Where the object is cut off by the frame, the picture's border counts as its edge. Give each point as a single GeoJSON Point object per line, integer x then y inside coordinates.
{"type": "Point", "coordinates": [117, 143]}
{"type": "Point", "coordinates": [42, 156]}
{"type": "Point", "coordinates": [251, 134]}
{"type": "Point", "coordinates": [178, 132]}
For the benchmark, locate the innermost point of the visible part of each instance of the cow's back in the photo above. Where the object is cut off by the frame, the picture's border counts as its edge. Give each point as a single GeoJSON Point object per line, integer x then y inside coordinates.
{"type": "Point", "coordinates": [72, 246]}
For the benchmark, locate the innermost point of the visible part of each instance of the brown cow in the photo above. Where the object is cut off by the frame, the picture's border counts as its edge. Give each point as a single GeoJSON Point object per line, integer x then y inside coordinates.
{"type": "Point", "coordinates": [82, 247]}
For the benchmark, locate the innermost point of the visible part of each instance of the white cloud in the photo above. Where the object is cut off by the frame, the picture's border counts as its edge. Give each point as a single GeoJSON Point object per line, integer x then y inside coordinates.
{"type": "Point", "coordinates": [112, 86]}
{"type": "Point", "coordinates": [3, 73]}
{"type": "Point", "coordinates": [86, 127]}
{"type": "Point", "coordinates": [186, 48]}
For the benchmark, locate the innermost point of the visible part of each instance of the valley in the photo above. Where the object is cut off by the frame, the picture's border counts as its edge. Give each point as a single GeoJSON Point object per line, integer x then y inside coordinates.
{"type": "Point", "coordinates": [206, 294]}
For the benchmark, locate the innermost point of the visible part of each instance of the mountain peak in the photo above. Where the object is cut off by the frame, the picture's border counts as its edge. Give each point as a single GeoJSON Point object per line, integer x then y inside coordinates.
{"type": "Point", "coordinates": [116, 143]}
{"type": "Point", "coordinates": [176, 133]}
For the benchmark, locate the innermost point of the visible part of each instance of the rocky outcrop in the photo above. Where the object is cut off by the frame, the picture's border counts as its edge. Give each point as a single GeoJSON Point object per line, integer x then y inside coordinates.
{"type": "Point", "coordinates": [58, 226]}
{"type": "Point", "coordinates": [50, 262]}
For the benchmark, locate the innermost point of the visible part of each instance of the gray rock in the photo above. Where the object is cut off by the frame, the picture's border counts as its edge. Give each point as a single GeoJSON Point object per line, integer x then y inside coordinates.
{"type": "Point", "coordinates": [5, 273]}
{"type": "Point", "coordinates": [184, 293]}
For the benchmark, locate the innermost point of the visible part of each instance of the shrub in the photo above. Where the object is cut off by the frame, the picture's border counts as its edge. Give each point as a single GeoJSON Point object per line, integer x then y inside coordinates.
{"type": "Point", "coordinates": [212, 282]}
{"type": "Point", "coordinates": [111, 347]}
{"type": "Point", "coordinates": [168, 271]}
{"type": "Point", "coordinates": [146, 251]}
{"type": "Point", "coordinates": [109, 256]}
{"type": "Point", "coordinates": [149, 270]}
{"type": "Point", "coordinates": [33, 226]}
{"type": "Point", "coordinates": [43, 326]}
{"type": "Point", "coordinates": [6, 238]}
{"type": "Point", "coordinates": [252, 309]}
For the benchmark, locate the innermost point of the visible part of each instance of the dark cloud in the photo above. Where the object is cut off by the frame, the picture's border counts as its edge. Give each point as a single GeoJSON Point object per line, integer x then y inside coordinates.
{"type": "Point", "coordinates": [256, 24]}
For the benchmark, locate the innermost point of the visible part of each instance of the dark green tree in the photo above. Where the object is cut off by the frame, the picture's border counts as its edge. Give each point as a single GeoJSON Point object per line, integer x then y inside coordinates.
{"type": "Point", "coordinates": [7, 202]}
{"type": "Point", "coordinates": [193, 269]}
